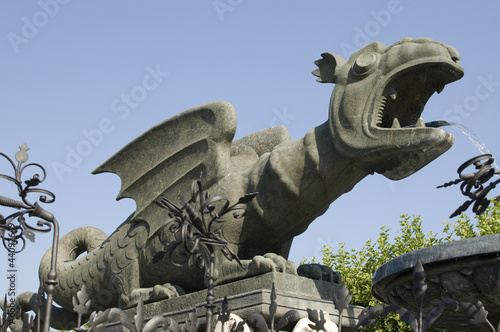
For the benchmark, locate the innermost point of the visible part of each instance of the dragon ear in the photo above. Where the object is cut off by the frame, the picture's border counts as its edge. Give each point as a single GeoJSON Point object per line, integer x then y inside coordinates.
{"type": "Point", "coordinates": [327, 67]}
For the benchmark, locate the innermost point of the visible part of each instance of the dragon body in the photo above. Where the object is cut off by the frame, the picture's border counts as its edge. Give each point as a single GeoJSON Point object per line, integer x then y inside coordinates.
{"type": "Point", "coordinates": [374, 126]}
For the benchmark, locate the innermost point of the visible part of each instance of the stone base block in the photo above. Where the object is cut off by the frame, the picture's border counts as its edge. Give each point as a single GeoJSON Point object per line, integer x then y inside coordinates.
{"type": "Point", "coordinates": [253, 295]}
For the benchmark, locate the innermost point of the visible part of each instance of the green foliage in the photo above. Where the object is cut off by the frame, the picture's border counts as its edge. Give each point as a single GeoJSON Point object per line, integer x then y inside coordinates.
{"type": "Point", "coordinates": [358, 266]}
{"type": "Point", "coordinates": [487, 223]}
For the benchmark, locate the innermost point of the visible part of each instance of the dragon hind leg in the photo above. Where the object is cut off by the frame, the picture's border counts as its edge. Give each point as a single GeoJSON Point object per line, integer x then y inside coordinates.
{"type": "Point", "coordinates": [128, 284]}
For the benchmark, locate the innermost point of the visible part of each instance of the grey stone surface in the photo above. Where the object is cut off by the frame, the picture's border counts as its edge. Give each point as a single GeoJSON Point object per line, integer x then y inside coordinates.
{"type": "Point", "coordinates": [460, 270]}
{"type": "Point", "coordinates": [373, 127]}
{"type": "Point", "coordinates": [253, 296]}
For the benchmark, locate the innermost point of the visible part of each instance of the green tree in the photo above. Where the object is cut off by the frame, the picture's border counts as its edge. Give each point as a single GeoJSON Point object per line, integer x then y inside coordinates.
{"type": "Point", "coordinates": [357, 266]}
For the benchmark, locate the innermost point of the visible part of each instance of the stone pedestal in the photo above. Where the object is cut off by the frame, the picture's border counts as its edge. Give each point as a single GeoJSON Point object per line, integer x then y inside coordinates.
{"type": "Point", "coordinates": [461, 270]}
{"type": "Point", "coordinates": [253, 296]}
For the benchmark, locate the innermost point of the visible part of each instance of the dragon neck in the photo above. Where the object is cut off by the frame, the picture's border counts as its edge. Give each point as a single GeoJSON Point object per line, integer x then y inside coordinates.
{"type": "Point", "coordinates": [332, 173]}
{"type": "Point", "coordinates": [300, 179]}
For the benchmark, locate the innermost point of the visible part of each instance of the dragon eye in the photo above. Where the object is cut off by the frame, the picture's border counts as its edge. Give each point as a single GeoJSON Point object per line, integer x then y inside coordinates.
{"type": "Point", "coordinates": [364, 63]}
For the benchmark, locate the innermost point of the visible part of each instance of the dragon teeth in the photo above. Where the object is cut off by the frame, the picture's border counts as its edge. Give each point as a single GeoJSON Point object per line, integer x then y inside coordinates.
{"type": "Point", "coordinates": [420, 123]}
{"type": "Point", "coordinates": [439, 88]}
{"type": "Point", "coordinates": [396, 124]}
{"type": "Point", "coordinates": [380, 113]}
{"type": "Point", "coordinates": [393, 93]}
{"type": "Point", "coordinates": [380, 117]}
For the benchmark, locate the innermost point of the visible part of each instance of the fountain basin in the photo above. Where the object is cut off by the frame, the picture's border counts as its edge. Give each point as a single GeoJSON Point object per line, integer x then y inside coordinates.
{"type": "Point", "coordinates": [460, 270]}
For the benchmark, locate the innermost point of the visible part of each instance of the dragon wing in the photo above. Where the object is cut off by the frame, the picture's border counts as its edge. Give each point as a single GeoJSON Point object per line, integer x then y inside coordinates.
{"type": "Point", "coordinates": [165, 160]}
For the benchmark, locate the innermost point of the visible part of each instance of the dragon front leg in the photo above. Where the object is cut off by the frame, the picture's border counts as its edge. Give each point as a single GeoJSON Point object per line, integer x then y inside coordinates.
{"type": "Point", "coordinates": [229, 271]}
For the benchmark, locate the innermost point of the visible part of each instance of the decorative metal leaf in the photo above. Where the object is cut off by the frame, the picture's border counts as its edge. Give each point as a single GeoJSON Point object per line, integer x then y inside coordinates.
{"type": "Point", "coordinates": [169, 205]}
{"type": "Point", "coordinates": [312, 315]}
{"type": "Point", "coordinates": [18, 311]}
{"type": "Point", "coordinates": [368, 316]}
{"type": "Point", "coordinates": [92, 322]}
{"type": "Point", "coordinates": [273, 307]}
{"type": "Point", "coordinates": [28, 322]}
{"type": "Point", "coordinates": [96, 319]}
{"type": "Point", "coordinates": [406, 316]}
{"type": "Point", "coordinates": [224, 311]}
{"type": "Point", "coordinates": [289, 318]}
{"type": "Point", "coordinates": [238, 327]}
{"type": "Point", "coordinates": [139, 316]}
{"type": "Point", "coordinates": [461, 208]}
{"type": "Point", "coordinates": [453, 305]}
{"type": "Point", "coordinates": [173, 326]}
{"type": "Point", "coordinates": [124, 318]}
{"type": "Point", "coordinates": [479, 315]}
{"type": "Point", "coordinates": [230, 255]}
{"type": "Point", "coordinates": [342, 299]}
{"type": "Point", "coordinates": [39, 299]}
{"type": "Point", "coordinates": [81, 303]}
{"type": "Point", "coordinates": [257, 322]}
{"type": "Point", "coordinates": [4, 322]}
{"type": "Point", "coordinates": [419, 286]}
{"type": "Point", "coordinates": [451, 183]}
{"type": "Point", "coordinates": [247, 198]}
{"type": "Point", "coordinates": [433, 314]}
{"type": "Point", "coordinates": [157, 322]}
{"type": "Point", "coordinates": [33, 182]}
{"type": "Point", "coordinates": [318, 319]}
{"type": "Point", "coordinates": [468, 309]}
{"type": "Point", "coordinates": [209, 203]}
{"type": "Point", "coordinates": [192, 322]}
{"type": "Point", "coordinates": [29, 234]}
{"type": "Point", "coordinates": [195, 219]}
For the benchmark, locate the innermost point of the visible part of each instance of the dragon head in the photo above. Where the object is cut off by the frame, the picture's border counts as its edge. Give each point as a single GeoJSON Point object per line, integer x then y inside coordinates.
{"type": "Point", "coordinates": [379, 96]}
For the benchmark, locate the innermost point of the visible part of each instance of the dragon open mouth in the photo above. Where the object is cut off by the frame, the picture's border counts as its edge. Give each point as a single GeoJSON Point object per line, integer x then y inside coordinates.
{"type": "Point", "coordinates": [376, 107]}
{"type": "Point", "coordinates": [406, 93]}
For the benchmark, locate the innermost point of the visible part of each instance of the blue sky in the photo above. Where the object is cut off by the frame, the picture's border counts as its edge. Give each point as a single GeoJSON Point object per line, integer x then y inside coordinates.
{"type": "Point", "coordinates": [66, 66]}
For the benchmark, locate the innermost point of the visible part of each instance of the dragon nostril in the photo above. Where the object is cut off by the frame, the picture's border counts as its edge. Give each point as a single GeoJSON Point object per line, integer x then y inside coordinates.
{"type": "Point", "coordinates": [454, 55]}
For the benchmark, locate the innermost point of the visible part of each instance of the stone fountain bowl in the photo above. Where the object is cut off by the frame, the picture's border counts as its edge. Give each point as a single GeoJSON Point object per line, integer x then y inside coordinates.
{"type": "Point", "coordinates": [460, 270]}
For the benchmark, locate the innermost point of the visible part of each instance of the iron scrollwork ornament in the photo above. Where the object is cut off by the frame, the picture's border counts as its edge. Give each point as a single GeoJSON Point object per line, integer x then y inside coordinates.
{"type": "Point", "coordinates": [193, 224]}
{"type": "Point", "coordinates": [14, 228]}
{"type": "Point", "coordinates": [472, 184]}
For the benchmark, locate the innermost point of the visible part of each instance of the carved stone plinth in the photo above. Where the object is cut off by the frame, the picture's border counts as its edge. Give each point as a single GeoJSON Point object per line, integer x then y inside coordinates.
{"type": "Point", "coordinates": [460, 270]}
{"type": "Point", "coordinates": [253, 296]}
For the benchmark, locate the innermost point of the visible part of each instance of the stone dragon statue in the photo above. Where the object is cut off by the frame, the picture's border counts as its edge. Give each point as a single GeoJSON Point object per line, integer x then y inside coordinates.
{"type": "Point", "coordinates": [374, 126]}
